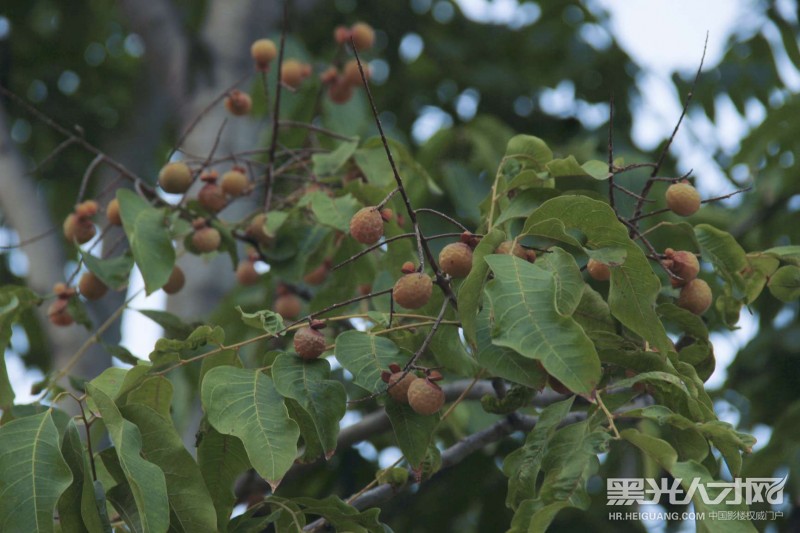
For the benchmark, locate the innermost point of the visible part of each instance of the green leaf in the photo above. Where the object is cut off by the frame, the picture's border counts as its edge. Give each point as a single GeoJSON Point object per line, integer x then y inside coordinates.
{"type": "Point", "coordinates": [532, 317]}
{"type": "Point", "coordinates": [333, 212]}
{"type": "Point", "coordinates": [634, 286]}
{"type": "Point", "coordinates": [170, 351]}
{"type": "Point", "coordinates": [788, 254]}
{"type": "Point", "coordinates": [190, 504]}
{"type": "Point", "coordinates": [325, 164]}
{"type": "Point", "coordinates": [13, 301]}
{"type": "Point", "coordinates": [114, 272]}
{"type": "Point", "coordinates": [471, 290]}
{"type": "Point", "coordinates": [449, 351]}
{"type": "Point", "coordinates": [173, 326]}
{"type": "Point", "coordinates": [413, 431]}
{"type": "Point", "coordinates": [531, 151]}
{"type": "Point", "coordinates": [721, 250]}
{"type": "Point", "coordinates": [69, 505]}
{"type": "Point", "coordinates": [33, 473]}
{"type": "Point", "coordinates": [570, 168]}
{"type": "Point", "coordinates": [785, 283]}
{"type": "Point", "coordinates": [593, 314]}
{"type": "Point", "coordinates": [366, 356]}
{"type": "Point", "coordinates": [307, 382]}
{"type": "Point", "coordinates": [342, 517]}
{"type": "Point", "coordinates": [567, 277]}
{"type": "Point", "coordinates": [155, 393]}
{"type": "Point", "coordinates": [524, 203]}
{"type": "Point", "coordinates": [146, 480]}
{"type": "Point", "coordinates": [265, 320]}
{"type": "Point", "coordinates": [222, 459]}
{"type": "Point", "coordinates": [245, 403]}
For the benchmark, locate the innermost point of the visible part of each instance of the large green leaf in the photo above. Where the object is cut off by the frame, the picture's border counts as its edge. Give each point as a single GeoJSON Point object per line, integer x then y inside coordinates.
{"type": "Point", "coordinates": [531, 151]}
{"type": "Point", "coordinates": [785, 283]}
{"type": "Point", "coordinates": [13, 300]}
{"type": "Point", "coordinates": [413, 431]}
{"type": "Point", "coordinates": [146, 480]}
{"type": "Point", "coordinates": [114, 271]}
{"type": "Point", "coordinates": [532, 317]}
{"type": "Point", "coordinates": [325, 400]}
{"type": "Point", "coordinates": [149, 238]}
{"type": "Point", "coordinates": [71, 506]}
{"type": "Point", "coordinates": [366, 356]}
{"type": "Point", "coordinates": [170, 351]}
{"type": "Point", "coordinates": [333, 212]}
{"type": "Point", "coordinates": [342, 517]}
{"type": "Point", "coordinates": [222, 459]}
{"type": "Point", "coordinates": [191, 507]}
{"type": "Point", "coordinates": [245, 403]}
{"type": "Point", "coordinates": [33, 473]}
{"type": "Point", "coordinates": [471, 290]}
{"type": "Point", "coordinates": [721, 250]}
{"type": "Point", "coordinates": [634, 285]}
{"type": "Point", "coordinates": [154, 392]}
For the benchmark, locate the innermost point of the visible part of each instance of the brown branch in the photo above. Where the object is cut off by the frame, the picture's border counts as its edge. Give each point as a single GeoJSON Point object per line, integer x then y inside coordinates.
{"type": "Point", "coordinates": [276, 110]}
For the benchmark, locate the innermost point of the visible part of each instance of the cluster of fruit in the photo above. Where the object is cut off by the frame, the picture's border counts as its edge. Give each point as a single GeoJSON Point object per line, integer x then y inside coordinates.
{"type": "Point", "coordinates": [423, 394]}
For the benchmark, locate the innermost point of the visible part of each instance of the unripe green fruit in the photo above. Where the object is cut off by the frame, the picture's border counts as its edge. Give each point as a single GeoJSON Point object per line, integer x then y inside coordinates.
{"type": "Point", "coordinates": [456, 259]}
{"type": "Point", "coordinates": [58, 314]}
{"type": "Point", "coordinates": [288, 306]}
{"type": "Point", "coordinates": [598, 271]}
{"type": "Point", "coordinates": [175, 178]}
{"type": "Point", "coordinates": [212, 198]}
{"type": "Point", "coordinates": [399, 392]}
{"type": "Point", "coordinates": [246, 273]}
{"type": "Point", "coordinates": [505, 248]}
{"type": "Point", "coordinates": [695, 296]}
{"type": "Point", "coordinates": [234, 183]}
{"type": "Point", "coordinates": [112, 212]}
{"type": "Point", "coordinates": [206, 240]}
{"type": "Point", "coordinates": [366, 226]}
{"type": "Point", "coordinates": [263, 52]}
{"type": "Point", "coordinates": [425, 397]}
{"type": "Point", "coordinates": [683, 199]}
{"type": "Point", "coordinates": [413, 291]}
{"type": "Point", "coordinates": [363, 35]}
{"type": "Point", "coordinates": [309, 343]}
{"type": "Point", "coordinates": [176, 281]}
{"type": "Point", "coordinates": [91, 287]}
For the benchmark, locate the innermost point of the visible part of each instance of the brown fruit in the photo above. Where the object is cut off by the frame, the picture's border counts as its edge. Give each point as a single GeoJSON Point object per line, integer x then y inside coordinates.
{"type": "Point", "coordinates": [246, 273]}
{"type": "Point", "coordinates": [62, 290]}
{"type": "Point", "coordinates": [425, 397]}
{"type": "Point", "coordinates": [598, 270]}
{"type": "Point", "coordinates": [175, 178]}
{"type": "Point", "coordinates": [363, 35]}
{"type": "Point", "coordinates": [683, 199]}
{"type": "Point", "coordinates": [238, 103]}
{"type": "Point", "coordinates": [341, 35]}
{"type": "Point", "coordinates": [288, 306]}
{"type": "Point", "coordinates": [340, 92]}
{"type": "Point", "coordinates": [91, 287]}
{"type": "Point", "coordinates": [695, 296]}
{"type": "Point", "coordinates": [59, 314]}
{"type": "Point", "coordinates": [399, 392]}
{"type": "Point", "coordinates": [234, 182]}
{"type": "Point", "coordinates": [87, 209]}
{"type": "Point", "coordinates": [212, 198]}
{"type": "Point", "coordinates": [112, 212]}
{"type": "Point", "coordinates": [317, 276]}
{"type": "Point", "coordinates": [309, 343]}
{"type": "Point", "coordinates": [293, 73]}
{"type": "Point", "coordinates": [255, 229]}
{"type": "Point", "coordinates": [352, 75]}
{"type": "Point", "coordinates": [176, 281]}
{"type": "Point", "coordinates": [456, 259]}
{"type": "Point", "coordinates": [329, 75]}
{"type": "Point", "coordinates": [530, 255]}
{"type": "Point", "coordinates": [413, 291]}
{"type": "Point", "coordinates": [683, 264]}
{"type": "Point", "coordinates": [206, 240]}
{"type": "Point", "coordinates": [506, 248]}
{"type": "Point", "coordinates": [366, 226]}
{"type": "Point", "coordinates": [263, 52]}
{"type": "Point", "coordinates": [78, 229]}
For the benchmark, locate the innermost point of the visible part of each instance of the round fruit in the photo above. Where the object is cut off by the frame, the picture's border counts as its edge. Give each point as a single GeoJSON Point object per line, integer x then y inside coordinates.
{"type": "Point", "coordinates": [363, 35]}
{"type": "Point", "coordinates": [309, 343]}
{"type": "Point", "coordinates": [112, 212]}
{"type": "Point", "coordinates": [598, 270]}
{"type": "Point", "coordinates": [212, 198]}
{"type": "Point", "coordinates": [412, 291]}
{"type": "Point", "coordinates": [246, 273]}
{"type": "Point", "coordinates": [340, 92]}
{"type": "Point", "coordinates": [317, 276]}
{"type": "Point", "coordinates": [238, 103]}
{"type": "Point", "coordinates": [695, 296]}
{"type": "Point", "coordinates": [683, 264]}
{"type": "Point", "coordinates": [506, 248]}
{"type": "Point", "coordinates": [263, 52]}
{"type": "Point", "coordinates": [91, 287]}
{"type": "Point", "coordinates": [234, 183]}
{"type": "Point", "coordinates": [352, 75]}
{"type": "Point", "coordinates": [255, 229]}
{"type": "Point", "coordinates": [366, 226]}
{"type": "Point", "coordinates": [456, 259]}
{"type": "Point", "coordinates": [530, 255]}
{"type": "Point", "coordinates": [87, 209]}
{"type": "Point", "coordinates": [425, 397]}
{"type": "Point", "coordinates": [288, 306]}
{"type": "Point", "coordinates": [292, 73]}
{"type": "Point", "coordinates": [61, 289]}
{"type": "Point", "coordinates": [399, 392]}
{"type": "Point", "coordinates": [329, 75]}
{"type": "Point", "coordinates": [341, 35]}
{"type": "Point", "coordinates": [175, 178]}
{"type": "Point", "coordinates": [683, 199]}
{"type": "Point", "coordinates": [59, 314]}
{"type": "Point", "coordinates": [206, 240]}
{"type": "Point", "coordinates": [176, 281]}
{"type": "Point", "coordinates": [78, 229]}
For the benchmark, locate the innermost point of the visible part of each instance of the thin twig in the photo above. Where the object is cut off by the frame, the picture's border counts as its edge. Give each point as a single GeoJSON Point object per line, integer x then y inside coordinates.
{"type": "Point", "coordinates": [276, 110]}
{"type": "Point", "coordinates": [442, 215]}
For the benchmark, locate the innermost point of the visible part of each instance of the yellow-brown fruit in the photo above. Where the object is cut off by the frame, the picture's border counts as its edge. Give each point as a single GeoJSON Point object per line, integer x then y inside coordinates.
{"type": "Point", "coordinates": [175, 178]}
{"type": "Point", "coordinates": [176, 281]}
{"type": "Point", "coordinates": [59, 314]}
{"type": "Point", "coordinates": [87, 209]}
{"type": "Point", "coordinates": [399, 392]}
{"type": "Point", "coordinates": [112, 212]}
{"type": "Point", "coordinates": [425, 397]}
{"type": "Point", "coordinates": [91, 287]}
{"type": "Point", "coordinates": [61, 289]}
{"type": "Point", "coordinates": [341, 35]}
{"type": "Point", "coordinates": [352, 75]}
{"type": "Point", "coordinates": [366, 226]}
{"type": "Point", "coordinates": [683, 264]}
{"type": "Point", "coordinates": [78, 229]}
{"type": "Point", "coordinates": [317, 276]}
{"type": "Point", "coordinates": [598, 270]}
{"type": "Point", "coordinates": [695, 296]}
{"type": "Point", "coordinates": [288, 306]}
{"type": "Point", "coordinates": [292, 73]}
{"type": "Point", "coordinates": [246, 273]}
{"type": "Point", "coordinates": [234, 183]}
{"type": "Point", "coordinates": [206, 240]}
{"type": "Point", "coordinates": [255, 229]}
{"type": "Point", "coordinates": [683, 199]}
{"type": "Point", "coordinates": [413, 291]}
{"type": "Point", "coordinates": [506, 249]}
{"type": "Point", "coordinates": [340, 92]}
{"type": "Point", "coordinates": [309, 343]}
{"type": "Point", "coordinates": [238, 103]}
{"type": "Point", "coordinates": [456, 259]}
{"type": "Point", "coordinates": [263, 52]}
{"type": "Point", "coordinates": [363, 35]}
{"type": "Point", "coordinates": [329, 75]}
{"type": "Point", "coordinates": [530, 255]}
{"type": "Point", "coordinates": [212, 198]}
